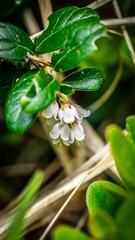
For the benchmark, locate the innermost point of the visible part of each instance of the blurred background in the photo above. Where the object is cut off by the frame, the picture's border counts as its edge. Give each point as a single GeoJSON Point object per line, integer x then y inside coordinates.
{"type": "Point", "coordinates": [21, 155]}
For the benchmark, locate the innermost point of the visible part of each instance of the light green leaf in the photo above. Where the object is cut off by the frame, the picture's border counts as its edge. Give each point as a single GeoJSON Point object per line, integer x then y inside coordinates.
{"type": "Point", "coordinates": [14, 43]}
{"type": "Point", "coordinates": [65, 232]}
{"type": "Point", "coordinates": [126, 220]}
{"type": "Point", "coordinates": [87, 79]}
{"type": "Point", "coordinates": [26, 199]}
{"type": "Point", "coordinates": [104, 195]}
{"type": "Point", "coordinates": [123, 152]}
{"type": "Point", "coordinates": [60, 23]}
{"type": "Point", "coordinates": [130, 125]}
{"type": "Point", "coordinates": [103, 226]}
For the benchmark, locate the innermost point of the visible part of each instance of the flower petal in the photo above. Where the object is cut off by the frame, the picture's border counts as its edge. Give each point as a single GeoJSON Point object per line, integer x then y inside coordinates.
{"type": "Point", "coordinates": [55, 110]}
{"type": "Point", "coordinates": [56, 130]}
{"type": "Point", "coordinates": [68, 115]}
{"type": "Point", "coordinates": [48, 112]}
{"type": "Point", "coordinates": [78, 132]}
{"type": "Point", "coordinates": [65, 132]}
{"type": "Point", "coordinates": [82, 112]}
{"type": "Point", "coordinates": [60, 115]}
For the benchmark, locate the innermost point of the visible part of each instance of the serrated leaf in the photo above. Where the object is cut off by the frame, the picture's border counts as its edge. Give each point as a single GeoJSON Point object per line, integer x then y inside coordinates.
{"type": "Point", "coordinates": [126, 219]}
{"type": "Point", "coordinates": [14, 43]}
{"type": "Point", "coordinates": [65, 232]}
{"type": "Point", "coordinates": [7, 78]}
{"type": "Point", "coordinates": [26, 199]}
{"type": "Point", "coordinates": [87, 79]}
{"type": "Point", "coordinates": [8, 6]}
{"type": "Point", "coordinates": [80, 43]}
{"type": "Point", "coordinates": [123, 152]}
{"type": "Point", "coordinates": [16, 119]}
{"type": "Point", "coordinates": [103, 226]}
{"type": "Point", "coordinates": [43, 93]}
{"type": "Point", "coordinates": [60, 23]}
{"type": "Point", "coordinates": [130, 125]}
{"type": "Point", "coordinates": [104, 195]}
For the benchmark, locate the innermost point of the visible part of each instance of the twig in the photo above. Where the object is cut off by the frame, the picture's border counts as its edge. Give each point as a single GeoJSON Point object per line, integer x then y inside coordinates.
{"type": "Point", "coordinates": [28, 17]}
{"type": "Point", "coordinates": [45, 10]}
{"type": "Point", "coordinates": [98, 3]}
{"type": "Point", "coordinates": [114, 22]}
{"type": "Point", "coordinates": [125, 33]}
{"type": "Point", "coordinates": [99, 167]}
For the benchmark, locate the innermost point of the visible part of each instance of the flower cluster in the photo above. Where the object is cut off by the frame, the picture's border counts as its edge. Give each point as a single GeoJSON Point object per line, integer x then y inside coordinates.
{"type": "Point", "coordinates": [65, 120]}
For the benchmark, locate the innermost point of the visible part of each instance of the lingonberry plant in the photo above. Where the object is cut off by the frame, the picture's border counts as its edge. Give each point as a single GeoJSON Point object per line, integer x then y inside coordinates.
{"type": "Point", "coordinates": [30, 85]}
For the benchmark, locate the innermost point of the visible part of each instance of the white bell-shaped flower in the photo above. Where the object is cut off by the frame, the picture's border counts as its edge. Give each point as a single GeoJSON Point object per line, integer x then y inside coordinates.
{"type": "Point", "coordinates": [51, 111]}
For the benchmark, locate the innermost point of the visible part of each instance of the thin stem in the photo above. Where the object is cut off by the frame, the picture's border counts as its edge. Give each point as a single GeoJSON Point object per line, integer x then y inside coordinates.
{"type": "Point", "coordinates": [38, 60]}
{"type": "Point", "coordinates": [98, 3]}
{"type": "Point", "coordinates": [45, 10]}
{"type": "Point", "coordinates": [93, 107]}
{"type": "Point", "coordinates": [99, 167]}
{"type": "Point", "coordinates": [125, 33]}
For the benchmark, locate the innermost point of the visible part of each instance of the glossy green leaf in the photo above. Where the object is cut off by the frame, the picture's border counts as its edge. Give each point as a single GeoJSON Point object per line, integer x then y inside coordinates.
{"type": "Point", "coordinates": [126, 220]}
{"type": "Point", "coordinates": [103, 226]}
{"type": "Point", "coordinates": [8, 6]}
{"type": "Point", "coordinates": [26, 199]}
{"type": "Point", "coordinates": [60, 23]}
{"type": "Point", "coordinates": [130, 125]}
{"type": "Point", "coordinates": [65, 232]}
{"type": "Point", "coordinates": [123, 152]}
{"type": "Point", "coordinates": [104, 195]}
{"type": "Point", "coordinates": [66, 89]}
{"type": "Point", "coordinates": [16, 119]}
{"type": "Point", "coordinates": [14, 43]}
{"type": "Point", "coordinates": [80, 43]}
{"type": "Point", "coordinates": [87, 79]}
{"type": "Point", "coordinates": [7, 78]}
{"type": "Point", "coordinates": [41, 94]}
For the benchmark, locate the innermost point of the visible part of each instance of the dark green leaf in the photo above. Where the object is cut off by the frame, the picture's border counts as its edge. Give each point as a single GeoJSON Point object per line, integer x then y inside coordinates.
{"type": "Point", "coordinates": [7, 78]}
{"type": "Point", "coordinates": [8, 6]}
{"type": "Point", "coordinates": [26, 199]}
{"type": "Point", "coordinates": [42, 94]}
{"type": "Point", "coordinates": [60, 23]}
{"type": "Point", "coordinates": [103, 226]}
{"type": "Point", "coordinates": [130, 125]}
{"type": "Point", "coordinates": [104, 195]}
{"type": "Point", "coordinates": [123, 152]}
{"type": "Point", "coordinates": [14, 43]}
{"type": "Point", "coordinates": [80, 43]}
{"type": "Point", "coordinates": [16, 119]}
{"type": "Point", "coordinates": [64, 232]}
{"type": "Point", "coordinates": [66, 89]}
{"type": "Point", "coordinates": [126, 220]}
{"type": "Point", "coordinates": [87, 79]}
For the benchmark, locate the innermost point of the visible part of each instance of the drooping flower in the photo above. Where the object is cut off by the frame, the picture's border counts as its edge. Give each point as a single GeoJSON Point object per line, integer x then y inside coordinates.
{"type": "Point", "coordinates": [51, 111]}
{"type": "Point", "coordinates": [66, 133]}
{"type": "Point", "coordinates": [65, 120]}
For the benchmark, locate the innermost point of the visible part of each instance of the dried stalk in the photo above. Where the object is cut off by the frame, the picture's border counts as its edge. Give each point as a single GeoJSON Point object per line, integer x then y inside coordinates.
{"type": "Point", "coordinates": [98, 3]}
{"type": "Point", "coordinates": [125, 33]}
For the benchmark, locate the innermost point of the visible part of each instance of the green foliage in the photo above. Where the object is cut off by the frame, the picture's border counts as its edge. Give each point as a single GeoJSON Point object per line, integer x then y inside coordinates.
{"type": "Point", "coordinates": [61, 23]}
{"type": "Point", "coordinates": [7, 78]}
{"type": "Point", "coordinates": [87, 79]}
{"type": "Point", "coordinates": [104, 195]}
{"type": "Point", "coordinates": [80, 44]}
{"type": "Point", "coordinates": [124, 154]}
{"type": "Point", "coordinates": [103, 226]}
{"type": "Point", "coordinates": [65, 232]}
{"type": "Point", "coordinates": [26, 199]}
{"type": "Point", "coordinates": [73, 31]}
{"type": "Point", "coordinates": [130, 125]}
{"type": "Point", "coordinates": [14, 43]}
